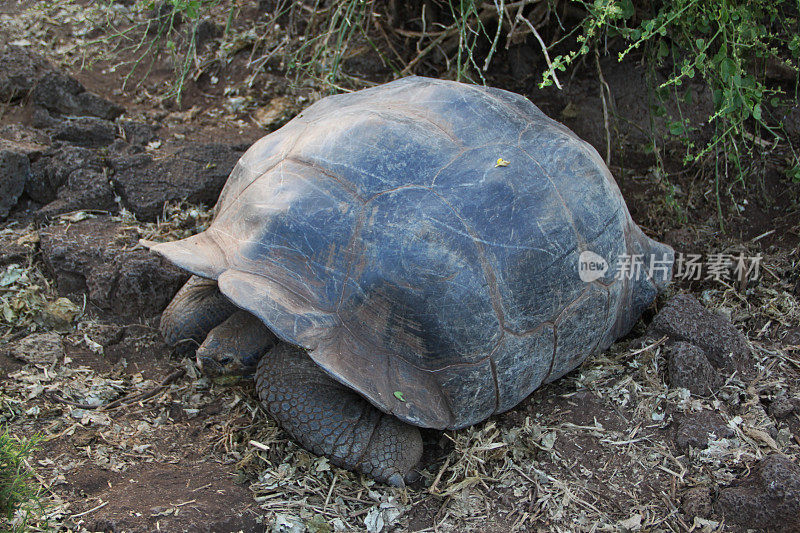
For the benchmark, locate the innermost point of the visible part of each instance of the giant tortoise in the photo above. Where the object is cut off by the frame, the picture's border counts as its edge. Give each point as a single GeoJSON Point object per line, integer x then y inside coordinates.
{"type": "Point", "coordinates": [408, 256]}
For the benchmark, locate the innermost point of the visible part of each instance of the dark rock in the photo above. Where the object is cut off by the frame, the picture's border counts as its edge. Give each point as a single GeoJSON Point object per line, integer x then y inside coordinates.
{"type": "Point", "coordinates": [768, 498]}
{"type": "Point", "coordinates": [685, 319]}
{"type": "Point", "coordinates": [696, 429]}
{"type": "Point", "coordinates": [196, 173]}
{"type": "Point", "coordinates": [783, 406]}
{"type": "Point", "coordinates": [30, 150]}
{"type": "Point", "coordinates": [22, 73]}
{"type": "Point", "coordinates": [15, 170]}
{"type": "Point", "coordinates": [121, 148]}
{"type": "Point", "coordinates": [95, 106]}
{"type": "Point", "coordinates": [60, 93]}
{"type": "Point", "coordinates": [15, 247]}
{"type": "Point", "coordinates": [71, 252]}
{"type": "Point", "coordinates": [137, 132]}
{"type": "Point", "coordinates": [56, 91]}
{"type": "Point", "coordinates": [43, 120]}
{"type": "Point", "coordinates": [54, 167]}
{"type": "Point", "coordinates": [689, 368]}
{"type": "Point", "coordinates": [19, 71]}
{"type": "Point", "coordinates": [35, 140]}
{"type": "Point", "coordinates": [85, 190]}
{"type": "Point", "coordinates": [86, 131]}
{"type": "Point", "coordinates": [123, 156]}
{"type": "Point", "coordinates": [697, 502]}
{"type": "Point", "coordinates": [137, 282]}
{"type": "Point", "coordinates": [95, 256]}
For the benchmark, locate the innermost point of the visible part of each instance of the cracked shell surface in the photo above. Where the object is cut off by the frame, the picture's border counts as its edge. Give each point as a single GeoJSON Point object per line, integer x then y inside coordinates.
{"type": "Point", "coordinates": [376, 231]}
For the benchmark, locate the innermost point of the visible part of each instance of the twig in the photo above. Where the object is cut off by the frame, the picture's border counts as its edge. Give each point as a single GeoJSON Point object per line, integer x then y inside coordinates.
{"type": "Point", "coordinates": [425, 51]}
{"type": "Point", "coordinates": [93, 509]}
{"type": "Point", "coordinates": [766, 234]}
{"type": "Point", "coordinates": [59, 399]}
{"type": "Point", "coordinates": [256, 444]}
{"type": "Point", "coordinates": [38, 477]}
{"type": "Point", "coordinates": [501, 9]}
{"type": "Point", "coordinates": [649, 346]}
{"type": "Point", "coordinates": [603, 89]}
{"type": "Point", "coordinates": [379, 26]}
{"type": "Point", "coordinates": [544, 47]}
{"type": "Point", "coordinates": [125, 400]}
{"type": "Point", "coordinates": [514, 22]}
{"type": "Point", "coordinates": [432, 489]}
{"type": "Point", "coordinates": [330, 491]}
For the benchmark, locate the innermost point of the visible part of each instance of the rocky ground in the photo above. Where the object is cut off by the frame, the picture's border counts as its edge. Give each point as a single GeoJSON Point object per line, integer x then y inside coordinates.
{"type": "Point", "coordinates": [690, 423]}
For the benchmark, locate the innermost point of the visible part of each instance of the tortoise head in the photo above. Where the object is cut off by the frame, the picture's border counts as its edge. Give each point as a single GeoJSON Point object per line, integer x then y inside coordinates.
{"type": "Point", "coordinates": [222, 362]}
{"type": "Point", "coordinates": [232, 350]}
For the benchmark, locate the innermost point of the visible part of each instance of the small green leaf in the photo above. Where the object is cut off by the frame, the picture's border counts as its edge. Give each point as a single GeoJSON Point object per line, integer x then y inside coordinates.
{"type": "Point", "coordinates": [663, 51]}
{"type": "Point", "coordinates": [676, 128]}
{"type": "Point", "coordinates": [727, 68]}
{"type": "Point", "coordinates": [794, 173]}
{"type": "Point", "coordinates": [399, 395]}
{"type": "Point", "coordinates": [626, 9]}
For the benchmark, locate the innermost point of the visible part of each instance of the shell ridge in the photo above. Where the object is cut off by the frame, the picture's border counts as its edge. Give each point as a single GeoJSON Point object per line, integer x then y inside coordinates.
{"type": "Point", "coordinates": [488, 270]}
{"type": "Point", "coordinates": [578, 237]}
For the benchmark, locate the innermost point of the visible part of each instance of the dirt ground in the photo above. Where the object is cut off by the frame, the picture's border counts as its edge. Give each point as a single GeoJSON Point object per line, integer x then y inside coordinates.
{"type": "Point", "coordinates": [613, 446]}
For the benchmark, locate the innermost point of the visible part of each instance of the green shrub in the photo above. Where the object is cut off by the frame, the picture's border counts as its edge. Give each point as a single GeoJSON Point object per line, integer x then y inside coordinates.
{"type": "Point", "coordinates": [728, 45]}
{"type": "Point", "coordinates": [15, 485]}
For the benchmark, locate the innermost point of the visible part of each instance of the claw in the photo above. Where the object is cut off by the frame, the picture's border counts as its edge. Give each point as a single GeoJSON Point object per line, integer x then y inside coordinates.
{"type": "Point", "coordinates": [396, 480]}
{"type": "Point", "coordinates": [412, 477]}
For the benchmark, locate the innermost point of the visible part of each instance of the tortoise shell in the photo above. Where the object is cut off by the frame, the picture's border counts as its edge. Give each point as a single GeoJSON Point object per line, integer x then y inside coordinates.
{"type": "Point", "coordinates": [422, 240]}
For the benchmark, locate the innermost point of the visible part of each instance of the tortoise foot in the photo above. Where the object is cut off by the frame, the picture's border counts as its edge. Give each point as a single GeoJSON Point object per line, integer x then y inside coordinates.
{"type": "Point", "coordinates": [330, 419]}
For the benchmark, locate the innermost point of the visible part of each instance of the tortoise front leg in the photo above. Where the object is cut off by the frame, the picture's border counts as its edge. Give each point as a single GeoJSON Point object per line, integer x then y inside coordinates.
{"type": "Point", "coordinates": [330, 419]}
{"type": "Point", "coordinates": [194, 311]}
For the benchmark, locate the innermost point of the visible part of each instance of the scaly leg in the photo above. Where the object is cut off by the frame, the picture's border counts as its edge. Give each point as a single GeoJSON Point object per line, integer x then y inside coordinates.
{"type": "Point", "coordinates": [330, 419]}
